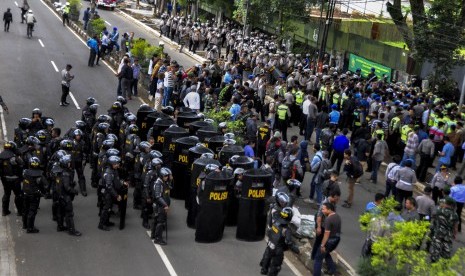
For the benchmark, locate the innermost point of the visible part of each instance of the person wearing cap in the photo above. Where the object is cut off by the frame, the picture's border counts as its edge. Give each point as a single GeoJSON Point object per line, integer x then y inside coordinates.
{"type": "Point", "coordinates": [283, 115]}
{"type": "Point", "coordinates": [406, 179]}
{"type": "Point", "coordinates": [457, 192]}
{"type": "Point", "coordinates": [7, 18]}
{"type": "Point", "coordinates": [65, 15]}
{"type": "Point", "coordinates": [92, 43]}
{"type": "Point", "coordinates": [334, 115]}
{"type": "Point", "coordinates": [425, 204]}
{"type": "Point", "coordinates": [443, 231]}
{"type": "Point", "coordinates": [114, 37]}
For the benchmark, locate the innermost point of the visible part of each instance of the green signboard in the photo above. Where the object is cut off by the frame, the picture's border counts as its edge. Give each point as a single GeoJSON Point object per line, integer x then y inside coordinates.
{"type": "Point", "coordinates": [356, 62]}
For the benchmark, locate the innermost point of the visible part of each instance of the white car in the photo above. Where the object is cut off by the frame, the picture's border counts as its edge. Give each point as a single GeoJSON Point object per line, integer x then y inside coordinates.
{"type": "Point", "coordinates": [107, 4]}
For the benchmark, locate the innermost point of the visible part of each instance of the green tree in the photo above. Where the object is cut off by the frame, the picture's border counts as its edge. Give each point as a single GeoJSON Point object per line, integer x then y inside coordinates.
{"type": "Point", "coordinates": [435, 35]}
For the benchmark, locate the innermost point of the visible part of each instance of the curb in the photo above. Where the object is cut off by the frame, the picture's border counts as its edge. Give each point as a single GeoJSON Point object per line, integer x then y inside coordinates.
{"type": "Point", "coordinates": [164, 39]}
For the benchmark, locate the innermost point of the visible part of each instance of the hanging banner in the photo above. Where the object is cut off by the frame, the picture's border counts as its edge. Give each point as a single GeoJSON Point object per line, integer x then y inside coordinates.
{"type": "Point", "coordinates": [357, 62]}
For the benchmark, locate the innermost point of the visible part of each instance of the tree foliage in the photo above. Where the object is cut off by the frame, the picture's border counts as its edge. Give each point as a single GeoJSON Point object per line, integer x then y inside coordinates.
{"type": "Point", "coordinates": [436, 33]}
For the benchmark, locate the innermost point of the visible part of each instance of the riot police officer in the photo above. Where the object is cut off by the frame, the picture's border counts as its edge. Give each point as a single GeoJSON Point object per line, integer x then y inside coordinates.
{"type": "Point", "coordinates": [22, 131]}
{"type": "Point", "coordinates": [147, 191]}
{"type": "Point", "coordinates": [291, 190]}
{"type": "Point", "coordinates": [106, 152]}
{"type": "Point", "coordinates": [161, 202]}
{"type": "Point", "coordinates": [53, 170]}
{"type": "Point", "coordinates": [279, 240]}
{"type": "Point", "coordinates": [141, 157]}
{"type": "Point", "coordinates": [11, 169]}
{"type": "Point", "coordinates": [90, 101]}
{"type": "Point", "coordinates": [33, 186]}
{"type": "Point", "coordinates": [117, 116]}
{"type": "Point", "coordinates": [130, 149]}
{"type": "Point", "coordinates": [66, 191]}
{"type": "Point", "coordinates": [79, 156]}
{"type": "Point", "coordinates": [111, 186]}
{"type": "Point", "coordinates": [36, 121]}
{"type": "Point", "coordinates": [89, 118]}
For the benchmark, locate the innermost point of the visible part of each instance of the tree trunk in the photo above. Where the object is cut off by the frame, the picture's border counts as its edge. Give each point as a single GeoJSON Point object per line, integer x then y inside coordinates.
{"type": "Point", "coordinates": [174, 11]}
{"type": "Point", "coordinates": [400, 21]}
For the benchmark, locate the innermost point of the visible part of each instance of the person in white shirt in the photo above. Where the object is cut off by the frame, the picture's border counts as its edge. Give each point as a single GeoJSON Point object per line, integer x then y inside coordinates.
{"type": "Point", "coordinates": [303, 119]}
{"type": "Point", "coordinates": [192, 100]}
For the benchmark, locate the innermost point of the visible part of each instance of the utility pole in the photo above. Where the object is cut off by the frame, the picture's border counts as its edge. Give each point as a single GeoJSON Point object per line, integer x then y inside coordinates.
{"type": "Point", "coordinates": [324, 39]}
{"type": "Point", "coordinates": [246, 18]}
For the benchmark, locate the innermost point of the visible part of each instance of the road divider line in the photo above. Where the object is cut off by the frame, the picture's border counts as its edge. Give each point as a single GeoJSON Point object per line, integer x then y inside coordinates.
{"type": "Point", "coordinates": [16, 3]}
{"type": "Point", "coordinates": [74, 100]}
{"type": "Point", "coordinates": [164, 258]}
{"type": "Point", "coordinates": [107, 23]}
{"type": "Point", "coordinates": [54, 66]}
{"type": "Point", "coordinates": [41, 44]}
{"type": "Point", "coordinates": [4, 130]}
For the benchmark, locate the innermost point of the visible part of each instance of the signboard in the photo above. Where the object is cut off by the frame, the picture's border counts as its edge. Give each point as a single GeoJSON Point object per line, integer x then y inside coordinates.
{"type": "Point", "coordinates": [357, 62]}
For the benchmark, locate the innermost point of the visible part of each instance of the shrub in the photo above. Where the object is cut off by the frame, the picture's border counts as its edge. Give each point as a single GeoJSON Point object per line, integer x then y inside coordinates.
{"type": "Point", "coordinates": [96, 26]}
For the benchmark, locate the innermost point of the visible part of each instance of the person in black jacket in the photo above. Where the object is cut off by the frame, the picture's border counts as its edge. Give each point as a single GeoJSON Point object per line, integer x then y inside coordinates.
{"type": "Point", "coordinates": [161, 200]}
{"type": "Point", "coordinates": [126, 76]}
{"type": "Point", "coordinates": [7, 18]}
{"type": "Point", "coordinates": [33, 186]}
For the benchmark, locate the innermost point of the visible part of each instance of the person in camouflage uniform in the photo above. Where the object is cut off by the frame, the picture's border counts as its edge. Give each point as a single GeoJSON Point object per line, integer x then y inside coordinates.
{"type": "Point", "coordinates": [443, 230]}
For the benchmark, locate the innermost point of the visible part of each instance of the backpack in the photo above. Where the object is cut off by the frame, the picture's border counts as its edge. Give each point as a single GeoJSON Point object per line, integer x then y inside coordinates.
{"type": "Point", "coordinates": [325, 170]}
{"type": "Point", "coordinates": [317, 166]}
{"type": "Point", "coordinates": [357, 168]}
{"type": "Point", "coordinates": [287, 168]}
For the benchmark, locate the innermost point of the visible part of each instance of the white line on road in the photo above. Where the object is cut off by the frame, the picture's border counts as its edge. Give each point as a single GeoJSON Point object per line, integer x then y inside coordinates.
{"type": "Point", "coordinates": [292, 267]}
{"type": "Point", "coordinates": [107, 23]}
{"type": "Point", "coordinates": [54, 65]}
{"type": "Point", "coordinates": [16, 3]}
{"type": "Point", "coordinates": [4, 130]}
{"type": "Point", "coordinates": [74, 100]}
{"type": "Point", "coordinates": [41, 44]}
{"type": "Point", "coordinates": [164, 258]}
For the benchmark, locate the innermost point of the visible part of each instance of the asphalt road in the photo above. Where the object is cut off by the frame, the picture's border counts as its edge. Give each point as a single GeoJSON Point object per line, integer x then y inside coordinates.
{"type": "Point", "coordinates": [30, 80]}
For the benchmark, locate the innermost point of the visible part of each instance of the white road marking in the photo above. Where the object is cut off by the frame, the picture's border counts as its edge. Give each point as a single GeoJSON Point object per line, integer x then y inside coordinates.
{"type": "Point", "coordinates": [142, 100]}
{"type": "Point", "coordinates": [74, 100]}
{"type": "Point", "coordinates": [164, 258]}
{"type": "Point", "coordinates": [41, 44]}
{"type": "Point", "coordinates": [292, 267]}
{"type": "Point", "coordinates": [16, 3]}
{"type": "Point", "coordinates": [7, 254]}
{"type": "Point", "coordinates": [106, 22]}
{"type": "Point", "coordinates": [4, 130]}
{"type": "Point", "coordinates": [54, 66]}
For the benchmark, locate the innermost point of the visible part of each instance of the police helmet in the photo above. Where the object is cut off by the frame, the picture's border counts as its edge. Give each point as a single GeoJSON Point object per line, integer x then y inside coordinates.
{"type": "Point", "coordinates": [285, 215]}
{"type": "Point", "coordinates": [31, 141]}
{"type": "Point", "coordinates": [34, 162]}
{"type": "Point", "coordinates": [229, 142]}
{"type": "Point", "coordinates": [165, 172]}
{"type": "Point", "coordinates": [144, 145]}
{"type": "Point", "coordinates": [24, 122]}
{"type": "Point", "coordinates": [49, 122]}
{"type": "Point", "coordinates": [65, 160]}
{"type": "Point", "coordinates": [112, 152]}
{"type": "Point", "coordinates": [210, 168]}
{"type": "Point", "coordinates": [209, 121]}
{"type": "Point", "coordinates": [207, 155]}
{"type": "Point", "coordinates": [113, 137]}
{"type": "Point", "coordinates": [80, 124]}
{"type": "Point", "coordinates": [156, 162]}
{"type": "Point", "coordinates": [282, 199]}
{"type": "Point", "coordinates": [155, 154]}
{"type": "Point", "coordinates": [77, 132]}
{"type": "Point", "coordinates": [233, 158]}
{"type": "Point", "coordinates": [102, 127]}
{"type": "Point", "coordinates": [93, 108]}
{"type": "Point", "coordinates": [10, 145]}
{"type": "Point", "coordinates": [113, 160]}
{"type": "Point", "coordinates": [131, 118]}
{"type": "Point", "coordinates": [103, 118]}
{"type": "Point", "coordinates": [238, 171]}
{"type": "Point", "coordinates": [90, 101]}
{"type": "Point", "coordinates": [222, 125]}
{"type": "Point", "coordinates": [41, 135]}
{"type": "Point", "coordinates": [36, 111]}
{"type": "Point", "coordinates": [229, 135]}
{"type": "Point", "coordinates": [293, 183]}
{"type": "Point", "coordinates": [116, 106]}
{"type": "Point", "coordinates": [122, 100]}
{"type": "Point", "coordinates": [133, 129]}
{"type": "Point", "coordinates": [168, 110]}
{"type": "Point", "coordinates": [108, 144]}
{"type": "Point", "coordinates": [66, 144]}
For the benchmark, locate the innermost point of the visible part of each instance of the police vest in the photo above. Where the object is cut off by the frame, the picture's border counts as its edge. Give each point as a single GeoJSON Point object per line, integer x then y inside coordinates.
{"type": "Point", "coordinates": [378, 131]}
{"type": "Point", "coordinates": [322, 95]}
{"type": "Point", "coordinates": [432, 118]}
{"type": "Point", "coordinates": [282, 111]}
{"type": "Point", "coordinates": [299, 97]}
{"type": "Point", "coordinates": [263, 135]}
{"type": "Point", "coordinates": [357, 117]}
{"type": "Point", "coordinates": [404, 133]}
{"type": "Point", "coordinates": [281, 92]}
{"type": "Point", "coordinates": [394, 123]}
{"type": "Point", "coordinates": [66, 10]}
{"type": "Point", "coordinates": [336, 97]}
{"type": "Point", "coordinates": [343, 99]}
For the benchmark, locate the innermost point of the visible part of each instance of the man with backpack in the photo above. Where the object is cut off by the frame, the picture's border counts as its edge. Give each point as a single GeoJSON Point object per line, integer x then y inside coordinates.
{"type": "Point", "coordinates": [314, 167]}
{"type": "Point", "coordinates": [323, 174]}
{"type": "Point", "coordinates": [291, 167]}
{"type": "Point", "coordinates": [353, 169]}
